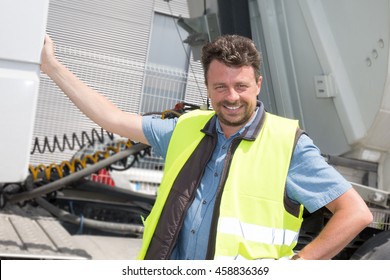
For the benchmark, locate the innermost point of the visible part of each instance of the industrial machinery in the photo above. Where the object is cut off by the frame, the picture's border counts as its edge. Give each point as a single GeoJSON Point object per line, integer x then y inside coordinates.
{"type": "Point", "coordinates": [325, 63]}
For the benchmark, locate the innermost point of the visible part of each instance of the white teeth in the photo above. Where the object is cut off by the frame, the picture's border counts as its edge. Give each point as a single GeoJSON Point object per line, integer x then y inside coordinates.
{"type": "Point", "coordinates": [232, 108]}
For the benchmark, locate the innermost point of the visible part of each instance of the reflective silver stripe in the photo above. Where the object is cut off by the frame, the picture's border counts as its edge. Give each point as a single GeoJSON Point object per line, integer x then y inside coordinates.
{"type": "Point", "coordinates": [257, 233]}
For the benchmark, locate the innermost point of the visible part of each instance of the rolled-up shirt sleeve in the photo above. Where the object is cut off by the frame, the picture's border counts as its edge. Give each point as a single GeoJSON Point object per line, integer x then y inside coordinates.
{"type": "Point", "coordinates": [158, 132]}
{"type": "Point", "coordinates": [311, 181]}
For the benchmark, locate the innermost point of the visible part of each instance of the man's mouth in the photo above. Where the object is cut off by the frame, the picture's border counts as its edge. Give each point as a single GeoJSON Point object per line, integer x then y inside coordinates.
{"type": "Point", "coordinates": [232, 107]}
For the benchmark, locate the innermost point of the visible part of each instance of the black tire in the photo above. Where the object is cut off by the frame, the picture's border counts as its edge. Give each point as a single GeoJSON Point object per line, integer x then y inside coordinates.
{"type": "Point", "coordinates": [375, 248]}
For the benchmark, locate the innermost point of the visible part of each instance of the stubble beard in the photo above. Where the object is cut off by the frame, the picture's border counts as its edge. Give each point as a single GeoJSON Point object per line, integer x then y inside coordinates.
{"type": "Point", "coordinates": [246, 116]}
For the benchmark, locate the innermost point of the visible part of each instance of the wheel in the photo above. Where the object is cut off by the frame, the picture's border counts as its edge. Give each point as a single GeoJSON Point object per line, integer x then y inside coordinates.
{"type": "Point", "coordinates": [375, 248]}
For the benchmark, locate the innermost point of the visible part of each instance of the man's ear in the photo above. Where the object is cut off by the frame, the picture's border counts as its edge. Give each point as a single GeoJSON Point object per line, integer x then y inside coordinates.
{"type": "Point", "coordinates": [205, 83]}
{"type": "Point", "coordinates": [259, 83]}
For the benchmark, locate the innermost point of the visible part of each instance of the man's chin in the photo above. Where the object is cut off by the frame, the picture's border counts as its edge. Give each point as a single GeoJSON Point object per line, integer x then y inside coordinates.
{"type": "Point", "coordinates": [234, 122]}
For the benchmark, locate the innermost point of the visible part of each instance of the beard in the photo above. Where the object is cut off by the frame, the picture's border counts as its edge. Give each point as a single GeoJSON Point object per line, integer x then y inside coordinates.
{"type": "Point", "coordinates": [237, 119]}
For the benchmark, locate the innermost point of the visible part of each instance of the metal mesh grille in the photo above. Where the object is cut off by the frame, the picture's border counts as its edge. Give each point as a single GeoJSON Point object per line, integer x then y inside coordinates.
{"type": "Point", "coordinates": [163, 88]}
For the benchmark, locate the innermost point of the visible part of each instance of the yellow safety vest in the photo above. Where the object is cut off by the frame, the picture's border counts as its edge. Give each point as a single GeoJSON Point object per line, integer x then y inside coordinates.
{"type": "Point", "coordinates": [253, 222]}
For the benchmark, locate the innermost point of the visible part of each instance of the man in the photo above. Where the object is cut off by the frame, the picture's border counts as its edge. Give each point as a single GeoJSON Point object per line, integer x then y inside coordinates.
{"type": "Point", "coordinates": [236, 179]}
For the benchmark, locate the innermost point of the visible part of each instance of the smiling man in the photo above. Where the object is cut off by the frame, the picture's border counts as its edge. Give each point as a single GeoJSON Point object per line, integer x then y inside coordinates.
{"type": "Point", "coordinates": [236, 178]}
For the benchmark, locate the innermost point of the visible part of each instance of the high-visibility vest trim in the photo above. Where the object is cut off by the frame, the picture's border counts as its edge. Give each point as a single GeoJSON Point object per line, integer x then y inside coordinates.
{"type": "Point", "coordinates": [240, 257]}
{"type": "Point", "coordinates": [256, 233]}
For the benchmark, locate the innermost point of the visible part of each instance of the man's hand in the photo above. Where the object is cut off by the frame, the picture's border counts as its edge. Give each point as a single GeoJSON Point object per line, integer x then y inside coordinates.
{"type": "Point", "coordinates": [47, 54]}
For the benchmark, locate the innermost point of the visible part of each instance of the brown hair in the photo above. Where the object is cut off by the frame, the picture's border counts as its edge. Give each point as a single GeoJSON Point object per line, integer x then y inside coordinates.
{"type": "Point", "coordinates": [233, 51]}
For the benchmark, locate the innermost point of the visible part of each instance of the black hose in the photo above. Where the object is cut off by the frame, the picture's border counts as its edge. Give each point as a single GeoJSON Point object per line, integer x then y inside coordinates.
{"type": "Point", "coordinates": [71, 143]}
{"type": "Point", "coordinates": [65, 216]}
{"type": "Point", "coordinates": [90, 223]}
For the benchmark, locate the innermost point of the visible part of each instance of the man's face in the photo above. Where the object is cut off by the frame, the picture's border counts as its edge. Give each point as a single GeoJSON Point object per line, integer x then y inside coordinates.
{"type": "Point", "coordinates": [233, 93]}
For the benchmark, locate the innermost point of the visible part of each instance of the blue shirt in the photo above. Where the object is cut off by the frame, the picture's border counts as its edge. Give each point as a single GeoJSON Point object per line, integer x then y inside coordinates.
{"type": "Point", "coordinates": [310, 181]}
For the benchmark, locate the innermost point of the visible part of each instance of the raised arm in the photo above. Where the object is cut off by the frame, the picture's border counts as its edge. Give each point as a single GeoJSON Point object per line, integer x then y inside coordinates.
{"type": "Point", "coordinates": [93, 104]}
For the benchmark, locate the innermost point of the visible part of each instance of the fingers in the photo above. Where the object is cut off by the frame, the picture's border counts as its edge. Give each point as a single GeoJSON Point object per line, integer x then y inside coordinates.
{"type": "Point", "coordinates": [48, 40]}
{"type": "Point", "coordinates": [47, 54]}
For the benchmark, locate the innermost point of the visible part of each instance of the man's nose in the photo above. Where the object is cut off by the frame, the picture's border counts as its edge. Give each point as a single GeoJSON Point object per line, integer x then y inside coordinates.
{"type": "Point", "coordinates": [232, 95]}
